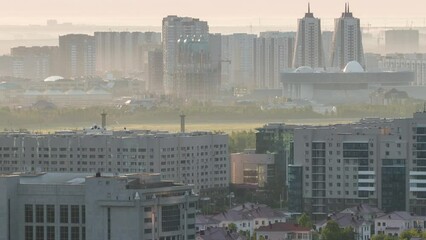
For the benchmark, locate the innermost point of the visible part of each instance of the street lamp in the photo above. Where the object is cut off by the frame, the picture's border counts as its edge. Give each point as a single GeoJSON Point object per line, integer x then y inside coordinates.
{"type": "Point", "coordinates": [230, 196]}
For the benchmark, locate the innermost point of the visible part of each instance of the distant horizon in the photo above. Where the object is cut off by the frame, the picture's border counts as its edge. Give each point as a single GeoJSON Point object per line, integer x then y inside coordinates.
{"type": "Point", "coordinates": [285, 23]}
{"type": "Point", "coordinates": [221, 13]}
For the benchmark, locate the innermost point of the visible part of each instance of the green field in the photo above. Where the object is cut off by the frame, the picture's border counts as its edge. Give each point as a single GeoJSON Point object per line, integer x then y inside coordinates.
{"type": "Point", "coordinates": [227, 127]}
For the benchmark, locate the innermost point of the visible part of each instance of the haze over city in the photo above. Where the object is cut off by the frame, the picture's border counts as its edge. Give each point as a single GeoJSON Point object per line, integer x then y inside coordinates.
{"type": "Point", "coordinates": [218, 13]}
{"type": "Point", "coordinates": [213, 120]}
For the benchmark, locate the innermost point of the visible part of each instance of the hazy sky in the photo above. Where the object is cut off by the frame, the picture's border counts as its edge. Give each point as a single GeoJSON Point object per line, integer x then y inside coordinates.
{"type": "Point", "coordinates": [217, 12]}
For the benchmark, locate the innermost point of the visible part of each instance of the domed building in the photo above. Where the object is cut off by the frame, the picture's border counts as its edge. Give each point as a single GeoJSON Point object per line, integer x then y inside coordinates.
{"type": "Point", "coordinates": [351, 85]}
{"type": "Point", "coordinates": [53, 79]}
{"type": "Point", "coordinates": [353, 67]}
{"type": "Point", "coordinates": [304, 69]}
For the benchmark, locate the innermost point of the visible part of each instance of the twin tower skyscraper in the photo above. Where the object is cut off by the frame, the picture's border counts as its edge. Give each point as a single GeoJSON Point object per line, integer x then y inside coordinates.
{"type": "Point", "coordinates": [346, 45]}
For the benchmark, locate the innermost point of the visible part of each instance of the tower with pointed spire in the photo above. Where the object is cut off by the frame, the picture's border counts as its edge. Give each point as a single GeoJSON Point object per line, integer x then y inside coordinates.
{"type": "Point", "coordinates": [347, 40]}
{"type": "Point", "coordinates": [308, 44]}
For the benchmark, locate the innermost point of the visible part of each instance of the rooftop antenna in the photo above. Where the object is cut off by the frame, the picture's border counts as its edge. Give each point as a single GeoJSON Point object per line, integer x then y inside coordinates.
{"type": "Point", "coordinates": [309, 7]}
{"type": "Point", "coordinates": [103, 115]}
{"type": "Point", "coordinates": [182, 123]}
{"type": "Point", "coordinates": [348, 7]}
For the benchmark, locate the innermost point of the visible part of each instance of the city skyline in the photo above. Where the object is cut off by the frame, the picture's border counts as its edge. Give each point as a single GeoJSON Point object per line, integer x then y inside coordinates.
{"type": "Point", "coordinates": [221, 13]}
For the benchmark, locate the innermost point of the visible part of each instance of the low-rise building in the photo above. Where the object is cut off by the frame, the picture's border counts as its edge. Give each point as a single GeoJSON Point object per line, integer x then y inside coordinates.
{"type": "Point", "coordinates": [73, 206]}
{"type": "Point", "coordinates": [219, 233]}
{"type": "Point", "coordinates": [395, 223]}
{"type": "Point", "coordinates": [251, 168]}
{"type": "Point", "coordinates": [287, 231]}
{"type": "Point", "coordinates": [360, 226]}
{"type": "Point", "coordinates": [246, 217]}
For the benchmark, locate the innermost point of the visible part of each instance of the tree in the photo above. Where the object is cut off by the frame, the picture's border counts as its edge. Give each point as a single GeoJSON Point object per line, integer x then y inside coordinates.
{"type": "Point", "coordinates": [305, 221]}
{"type": "Point", "coordinates": [408, 234]}
{"type": "Point", "coordinates": [331, 231]}
{"type": "Point", "coordinates": [348, 234]}
{"type": "Point", "coordinates": [383, 237]}
{"type": "Point", "coordinates": [232, 227]}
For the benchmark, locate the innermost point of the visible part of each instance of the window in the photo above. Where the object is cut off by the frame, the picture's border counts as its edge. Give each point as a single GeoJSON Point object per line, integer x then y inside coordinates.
{"type": "Point", "coordinates": [75, 233]}
{"type": "Point", "coordinates": [63, 213]}
{"type": "Point", "coordinates": [28, 213]}
{"type": "Point", "coordinates": [64, 233]}
{"type": "Point", "coordinates": [50, 233]}
{"type": "Point", "coordinates": [50, 213]}
{"type": "Point", "coordinates": [83, 214]}
{"type": "Point", "coordinates": [39, 213]}
{"type": "Point", "coordinates": [83, 233]}
{"type": "Point", "coordinates": [29, 232]}
{"type": "Point", "coordinates": [147, 209]}
{"type": "Point", "coordinates": [39, 233]}
{"type": "Point", "coordinates": [75, 214]}
{"type": "Point", "coordinates": [170, 218]}
{"type": "Point", "coordinates": [148, 230]}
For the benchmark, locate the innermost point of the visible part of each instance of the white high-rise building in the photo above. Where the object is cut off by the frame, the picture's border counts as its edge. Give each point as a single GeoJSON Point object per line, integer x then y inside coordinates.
{"type": "Point", "coordinates": [174, 28]}
{"type": "Point", "coordinates": [308, 48]}
{"type": "Point", "coordinates": [273, 54]}
{"type": "Point", "coordinates": [347, 41]}
{"type": "Point", "coordinates": [238, 52]}
{"type": "Point", "coordinates": [124, 51]}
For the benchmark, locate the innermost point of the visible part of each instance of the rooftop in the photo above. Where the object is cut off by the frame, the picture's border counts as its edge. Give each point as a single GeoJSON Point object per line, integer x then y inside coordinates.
{"type": "Point", "coordinates": [283, 227]}
{"type": "Point", "coordinates": [220, 234]}
{"type": "Point", "coordinates": [52, 178]}
{"type": "Point", "coordinates": [248, 211]}
{"type": "Point", "coordinates": [401, 215]}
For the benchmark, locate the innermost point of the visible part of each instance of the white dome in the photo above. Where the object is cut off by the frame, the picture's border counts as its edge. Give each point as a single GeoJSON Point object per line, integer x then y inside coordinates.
{"type": "Point", "coordinates": [53, 78]}
{"type": "Point", "coordinates": [304, 69]}
{"type": "Point", "coordinates": [353, 67]}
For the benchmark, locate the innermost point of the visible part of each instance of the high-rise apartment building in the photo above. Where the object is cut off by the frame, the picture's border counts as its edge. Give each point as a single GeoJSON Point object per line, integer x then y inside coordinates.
{"type": "Point", "coordinates": [238, 55]}
{"type": "Point", "coordinates": [35, 63]}
{"type": "Point", "coordinates": [402, 41]}
{"type": "Point", "coordinates": [309, 49]}
{"type": "Point", "coordinates": [175, 28]}
{"type": "Point", "coordinates": [198, 158]}
{"type": "Point", "coordinates": [273, 53]}
{"type": "Point", "coordinates": [198, 67]}
{"type": "Point", "coordinates": [126, 52]}
{"type": "Point", "coordinates": [375, 161]}
{"type": "Point", "coordinates": [327, 45]}
{"type": "Point", "coordinates": [155, 71]}
{"type": "Point", "coordinates": [77, 54]}
{"type": "Point", "coordinates": [347, 41]}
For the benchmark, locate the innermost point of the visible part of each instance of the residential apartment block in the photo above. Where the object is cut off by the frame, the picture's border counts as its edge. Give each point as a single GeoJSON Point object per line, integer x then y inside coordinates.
{"type": "Point", "coordinates": [375, 161]}
{"type": "Point", "coordinates": [198, 158]}
{"type": "Point", "coordinates": [77, 54]}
